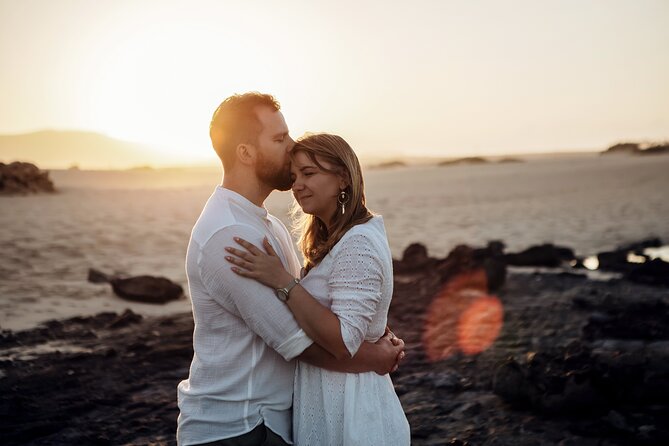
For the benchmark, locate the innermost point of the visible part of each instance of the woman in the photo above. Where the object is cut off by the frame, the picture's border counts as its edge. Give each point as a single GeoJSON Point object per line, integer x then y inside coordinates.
{"type": "Point", "coordinates": [341, 301]}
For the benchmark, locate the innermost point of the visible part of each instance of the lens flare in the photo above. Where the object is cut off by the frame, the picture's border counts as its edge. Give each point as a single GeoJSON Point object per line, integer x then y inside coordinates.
{"type": "Point", "coordinates": [480, 325]}
{"type": "Point", "coordinates": [462, 317]}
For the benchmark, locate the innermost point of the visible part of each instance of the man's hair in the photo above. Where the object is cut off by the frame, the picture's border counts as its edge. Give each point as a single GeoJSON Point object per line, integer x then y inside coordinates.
{"type": "Point", "coordinates": [236, 122]}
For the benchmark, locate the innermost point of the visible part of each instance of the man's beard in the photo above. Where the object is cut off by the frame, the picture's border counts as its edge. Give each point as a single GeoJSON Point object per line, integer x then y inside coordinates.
{"type": "Point", "coordinates": [277, 177]}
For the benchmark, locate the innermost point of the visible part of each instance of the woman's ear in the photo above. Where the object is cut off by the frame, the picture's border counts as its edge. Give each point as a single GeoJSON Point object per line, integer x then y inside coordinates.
{"type": "Point", "coordinates": [343, 182]}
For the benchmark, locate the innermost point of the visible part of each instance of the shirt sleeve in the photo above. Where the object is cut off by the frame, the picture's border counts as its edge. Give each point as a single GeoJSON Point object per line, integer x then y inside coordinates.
{"type": "Point", "coordinates": [355, 288]}
{"type": "Point", "coordinates": [256, 303]}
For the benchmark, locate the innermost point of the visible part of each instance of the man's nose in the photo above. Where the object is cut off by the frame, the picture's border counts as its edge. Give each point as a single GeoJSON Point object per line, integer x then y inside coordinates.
{"type": "Point", "coordinates": [291, 143]}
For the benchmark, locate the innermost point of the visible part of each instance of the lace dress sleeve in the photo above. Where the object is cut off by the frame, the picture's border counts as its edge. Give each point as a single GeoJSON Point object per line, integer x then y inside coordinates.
{"type": "Point", "coordinates": [355, 288]}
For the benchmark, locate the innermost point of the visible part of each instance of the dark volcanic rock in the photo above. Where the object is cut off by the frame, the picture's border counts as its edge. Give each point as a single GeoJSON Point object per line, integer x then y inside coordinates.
{"type": "Point", "coordinates": [128, 317]}
{"type": "Point", "coordinates": [105, 391]}
{"type": "Point", "coordinates": [654, 272]}
{"type": "Point", "coordinates": [638, 247]}
{"type": "Point", "coordinates": [95, 276]}
{"type": "Point", "coordinates": [547, 255]}
{"type": "Point", "coordinates": [580, 379]}
{"type": "Point", "coordinates": [658, 149]}
{"type": "Point", "coordinates": [414, 259]}
{"type": "Point", "coordinates": [651, 272]}
{"type": "Point", "coordinates": [113, 380]}
{"type": "Point", "coordinates": [622, 148]}
{"type": "Point", "coordinates": [554, 382]}
{"type": "Point", "coordinates": [466, 160]}
{"type": "Point", "coordinates": [645, 320]}
{"type": "Point", "coordinates": [616, 260]}
{"type": "Point", "coordinates": [493, 263]}
{"type": "Point", "coordinates": [20, 178]}
{"type": "Point", "coordinates": [464, 259]}
{"type": "Point", "coordinates": [147, 289]}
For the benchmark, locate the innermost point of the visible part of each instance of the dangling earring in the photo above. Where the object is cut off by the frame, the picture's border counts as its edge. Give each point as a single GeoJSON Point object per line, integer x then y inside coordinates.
{"type": "Point", "coordinates": [342, 200]}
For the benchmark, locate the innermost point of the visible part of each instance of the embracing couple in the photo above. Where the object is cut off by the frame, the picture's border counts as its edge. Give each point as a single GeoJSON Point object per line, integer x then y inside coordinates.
{"type": "Point", "coordinates": [284, 354]}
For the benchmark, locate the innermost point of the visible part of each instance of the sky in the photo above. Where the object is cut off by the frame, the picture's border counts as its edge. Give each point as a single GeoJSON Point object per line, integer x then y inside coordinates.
{"type": "Point", "coordinates": [424, 78]}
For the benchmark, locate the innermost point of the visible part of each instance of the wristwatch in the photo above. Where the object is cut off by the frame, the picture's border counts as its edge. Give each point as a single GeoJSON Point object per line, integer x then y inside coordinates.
{"type": "Point", "coordinates": [282, 293]}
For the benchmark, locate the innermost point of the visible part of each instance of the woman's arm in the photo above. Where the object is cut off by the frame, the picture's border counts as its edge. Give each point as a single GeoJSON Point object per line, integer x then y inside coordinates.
{"type": "Point", "coordinates": [318, 322]}
{"type": "Point", "coordinates": [381, 357]}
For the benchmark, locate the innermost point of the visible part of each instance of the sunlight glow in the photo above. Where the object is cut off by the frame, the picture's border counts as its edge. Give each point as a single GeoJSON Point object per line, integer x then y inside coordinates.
{"type": "Point", "coordinates": [459, 79]}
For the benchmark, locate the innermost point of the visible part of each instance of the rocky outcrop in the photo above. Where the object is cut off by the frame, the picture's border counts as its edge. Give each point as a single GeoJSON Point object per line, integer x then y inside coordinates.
{"type": "Point", "coordinates": [146, 289]}
{"type": "Point", "coordinates": [632, 148]}
{"type": "Point", "coordinates": [466, 160]}
{"type": "Point", "coordinates": [617, 260]}
{"type": "Point", "coordinates": [657, 149]}
{"type": "Point", "coordinates": [643, 269]}
{"type": "Point", "coordinates": [461, 259]}
{"type": "Point", "coordinates": [622, 148]}
{"type": "Point", "coordinates": [20, 178]}
{"type": "Point", "coordinates": [414, 259]}
{"type": "Point", "coordinates": [547, 255]}
{"type": "Point", "coordinates": [654, 272]}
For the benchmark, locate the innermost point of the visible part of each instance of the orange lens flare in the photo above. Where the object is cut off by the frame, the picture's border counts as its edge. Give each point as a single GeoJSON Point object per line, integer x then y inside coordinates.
{"type": "Point", "coordinates": [480, 325]}
{"type": "Point", "coordinates": [463, 317]}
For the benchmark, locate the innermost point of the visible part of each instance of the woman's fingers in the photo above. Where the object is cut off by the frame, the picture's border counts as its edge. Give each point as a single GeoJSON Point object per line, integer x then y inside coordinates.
{"type": "Point", "coordinates": [239, 253]}
{"type": "Point", "coordinates": [239, 262]}
{"type": "Point", "coordinates": [268, 247]}
{"type": "Point", "coordinates": [249, 246]}
{"type": "Point", "coordinates": [242, 272]}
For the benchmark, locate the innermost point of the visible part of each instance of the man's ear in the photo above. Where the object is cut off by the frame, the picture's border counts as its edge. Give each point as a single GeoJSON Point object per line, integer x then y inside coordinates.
{"type": "Point", "coordinates": [246, 153]}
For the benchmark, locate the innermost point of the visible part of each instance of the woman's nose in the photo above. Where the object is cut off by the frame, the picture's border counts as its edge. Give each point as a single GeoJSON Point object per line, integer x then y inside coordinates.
{"type": "Point", "coordinates": [297, 185]}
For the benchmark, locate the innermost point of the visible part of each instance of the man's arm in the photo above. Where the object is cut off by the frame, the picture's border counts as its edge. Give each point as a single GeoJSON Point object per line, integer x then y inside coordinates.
{"type": "Point", "coordinates": [382, 357]}
{"type": "Point", "coordinates": [255, 303]}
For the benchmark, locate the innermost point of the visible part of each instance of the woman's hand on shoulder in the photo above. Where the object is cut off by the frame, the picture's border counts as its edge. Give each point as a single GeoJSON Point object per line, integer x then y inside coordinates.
{"type": "Point", "coordinates": [252, 262]}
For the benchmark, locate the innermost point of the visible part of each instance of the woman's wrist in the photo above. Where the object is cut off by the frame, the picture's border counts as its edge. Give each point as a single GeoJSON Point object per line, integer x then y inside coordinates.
{"type": "Point", "coordinates": [284, 280]}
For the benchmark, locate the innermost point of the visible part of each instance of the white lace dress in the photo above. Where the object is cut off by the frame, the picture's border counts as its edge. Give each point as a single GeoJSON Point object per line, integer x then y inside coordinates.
{"type": "Point", "coordinates": [355, 280]}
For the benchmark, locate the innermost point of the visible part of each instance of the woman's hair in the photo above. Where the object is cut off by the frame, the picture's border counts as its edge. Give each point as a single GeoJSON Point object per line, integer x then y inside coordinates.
{"type": "Point", "coordinates": [315, 242]}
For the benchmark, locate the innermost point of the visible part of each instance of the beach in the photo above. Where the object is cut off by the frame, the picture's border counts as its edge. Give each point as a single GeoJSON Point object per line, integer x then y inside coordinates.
{"type": "Point", "coordinates": [109, 367]}
{"type": "Point", "coordinates": [139, 222]}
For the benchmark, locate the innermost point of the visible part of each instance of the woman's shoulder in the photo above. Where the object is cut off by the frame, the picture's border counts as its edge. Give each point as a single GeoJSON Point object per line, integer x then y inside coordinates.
{"type": "Point", "coordinates": [363, 234]}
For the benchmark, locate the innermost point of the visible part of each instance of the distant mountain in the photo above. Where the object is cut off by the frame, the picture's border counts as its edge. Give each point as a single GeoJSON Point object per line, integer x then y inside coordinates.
{"type": "Point", "coordinates": [51, 149]}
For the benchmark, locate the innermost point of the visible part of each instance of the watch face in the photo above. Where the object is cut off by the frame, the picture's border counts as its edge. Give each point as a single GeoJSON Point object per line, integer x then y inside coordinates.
{"type": "Point", "coordinates": [282, 295]}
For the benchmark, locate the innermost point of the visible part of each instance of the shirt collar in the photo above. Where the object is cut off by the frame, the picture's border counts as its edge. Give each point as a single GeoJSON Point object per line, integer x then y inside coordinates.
{"type": "Point", "coordinates": [242, 201]}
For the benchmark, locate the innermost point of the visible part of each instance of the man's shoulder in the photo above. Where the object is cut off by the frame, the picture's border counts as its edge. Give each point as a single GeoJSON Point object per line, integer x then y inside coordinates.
{"type": "Point", "coordinates": [221, 216]}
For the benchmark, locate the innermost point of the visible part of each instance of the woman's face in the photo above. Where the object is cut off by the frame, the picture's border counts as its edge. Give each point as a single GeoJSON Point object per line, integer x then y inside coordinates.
{"type": "Point", "coordinates": [314, 189]}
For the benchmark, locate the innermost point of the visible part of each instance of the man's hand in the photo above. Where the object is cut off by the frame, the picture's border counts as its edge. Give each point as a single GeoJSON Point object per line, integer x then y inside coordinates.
{"type": "Point", "coordinates": [392, 352]}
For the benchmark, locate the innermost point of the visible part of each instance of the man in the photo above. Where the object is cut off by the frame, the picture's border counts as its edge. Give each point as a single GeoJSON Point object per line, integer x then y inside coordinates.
{"type": "Point", "coordinates": [240, 386]}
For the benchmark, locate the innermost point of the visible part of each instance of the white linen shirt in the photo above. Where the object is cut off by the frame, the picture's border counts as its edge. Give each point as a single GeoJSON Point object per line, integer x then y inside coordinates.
{"type": "Point", "coordinates": [245, 339]}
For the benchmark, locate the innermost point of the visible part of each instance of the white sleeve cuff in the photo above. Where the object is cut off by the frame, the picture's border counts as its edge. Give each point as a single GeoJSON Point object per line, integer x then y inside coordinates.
{"type": "Point", "coordinates": [294, 345]}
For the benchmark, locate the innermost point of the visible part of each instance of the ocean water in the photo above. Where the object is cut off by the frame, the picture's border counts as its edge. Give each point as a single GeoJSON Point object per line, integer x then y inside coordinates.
{"type": "Point", "coordinates": [138, 222]}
